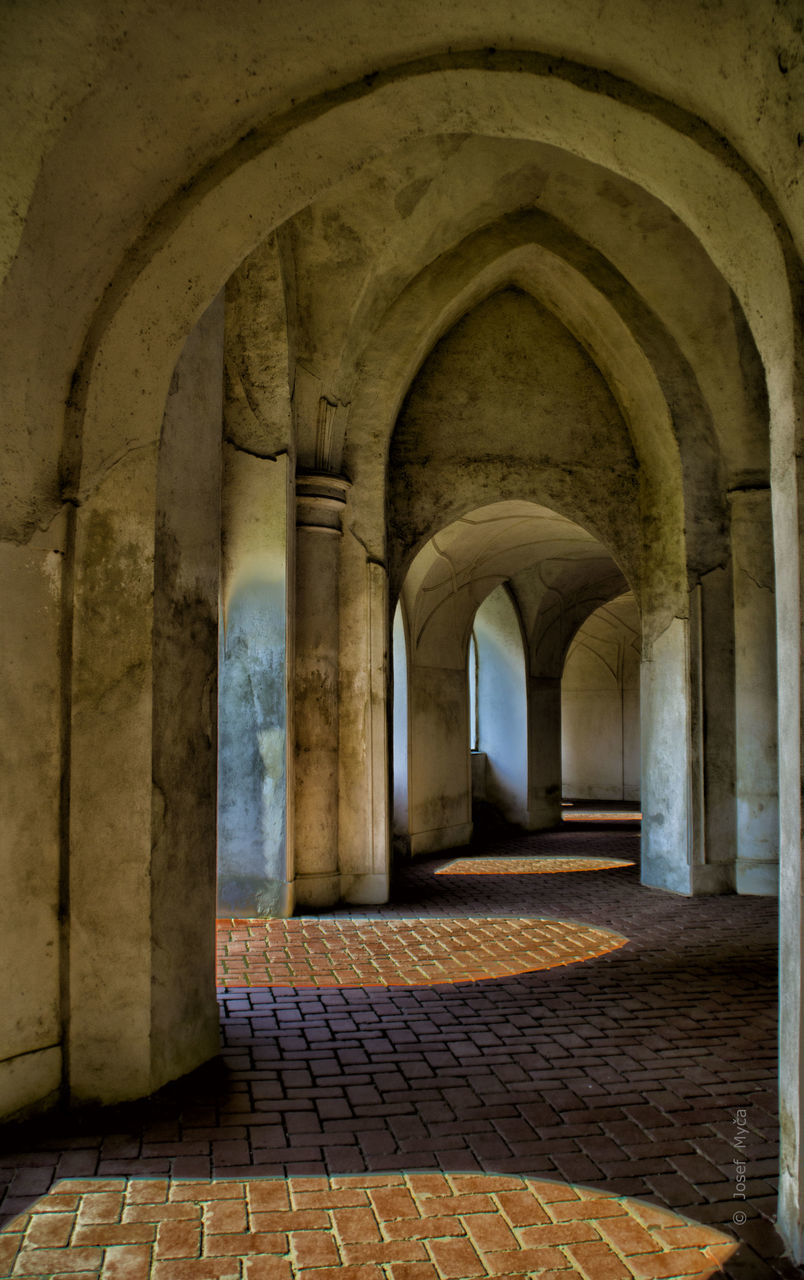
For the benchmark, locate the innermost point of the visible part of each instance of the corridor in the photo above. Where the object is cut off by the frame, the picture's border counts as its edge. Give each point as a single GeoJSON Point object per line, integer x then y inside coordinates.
{"type": "Point", "coordinates": [379, 1114]}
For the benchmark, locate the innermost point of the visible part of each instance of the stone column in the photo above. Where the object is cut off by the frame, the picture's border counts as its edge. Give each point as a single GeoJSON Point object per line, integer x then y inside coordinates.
{"type": "Point", "coordinates": [141, 992]}
{"type": "Point", "coordinates": [788, 484]}
{"type": "Point", "coordinates": [320, 500]}
{"type": "Point", "coordinates": [757, 774]}
{"type": "Point", "coordinates": [544, 752]}
{"type": "Point", "coordinates": [363, 811]}
{"type": "Point", "coordinates": [668, 808]}
{"type": "Point", "coordinates": [710, 762]}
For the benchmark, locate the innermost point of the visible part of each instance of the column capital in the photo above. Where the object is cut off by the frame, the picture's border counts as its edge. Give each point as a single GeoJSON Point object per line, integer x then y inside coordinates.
{"type": "Point", "coordinates": [320, 500]}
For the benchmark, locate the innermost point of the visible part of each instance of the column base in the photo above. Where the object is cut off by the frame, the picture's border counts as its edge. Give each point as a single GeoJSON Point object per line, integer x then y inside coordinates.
{"type": "Point", "coordinates": [30, 1083]}
{"type": "Point", "coordinates": [691, 881]}
{"type": "Point", "coordinates": [317, 891]}
{"type": "Point", "coordinates": [712, 878]}
{"type": "Point", "coordinates": [757, 876]}
{"type": "Point", "coordinates": [364, 890]}
{"type": "Point", "coordinates": [249, 897]}
{"type": "Point", "coordinates": [542, 815]}
{"type": "Point", "coordinates": [440, 838]}
{"type": "Point", "coordinates": [788, 1215]}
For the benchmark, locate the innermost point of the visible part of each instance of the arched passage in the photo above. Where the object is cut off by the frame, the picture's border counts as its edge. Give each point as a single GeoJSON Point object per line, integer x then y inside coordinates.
{"type": "Point", "coordinates": [155, 287]}
{"type": "Point", "coordinates": [515, 572]}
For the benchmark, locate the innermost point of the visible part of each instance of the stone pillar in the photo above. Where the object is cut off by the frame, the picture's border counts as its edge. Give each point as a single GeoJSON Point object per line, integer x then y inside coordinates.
{"type": "Point", "coordinates": [255, 865]}
{"type": "Point", "coordinates": [30, 761]}
{"type": "Point", "coordinates": [111, 789]}
{"type": "Point", "coordinates": [669, 799]}
{"type": "Point", "coordinates": [788, 534]}
{"type": "Point", "coordinates": [141, 993]}
{"type": "Point", "coordinates": [757, 781]}
{"type": "Point", "coordinates": [185, 1028]}
{"type": "Point", "coordinates": [685, 750]}
{"type": "Point", "coordinates": [544, 752]}
{"type": "Point", "coordinates": [320, 500]}
{"type": "Point", "coordinates": [710, 695]}
{"type": "Point", "coordinates": [363, 809]}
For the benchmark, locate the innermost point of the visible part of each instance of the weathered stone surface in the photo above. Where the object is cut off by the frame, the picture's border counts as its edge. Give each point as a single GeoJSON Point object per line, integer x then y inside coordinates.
{"type": "Point", "coordinates": [254, 867]}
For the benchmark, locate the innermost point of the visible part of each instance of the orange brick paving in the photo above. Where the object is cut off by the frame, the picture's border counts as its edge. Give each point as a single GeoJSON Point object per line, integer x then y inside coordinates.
{"type": "Point", "coordinates": [622, 1074]}
{"type": "Point", "coordinates": [598, 815]}
{"type": "Point", "coordinates": [527, 866]}
{"type": "Point", "coordinates": [414, 1226]}
{"type": "Point", "coordinates": [314, 952]}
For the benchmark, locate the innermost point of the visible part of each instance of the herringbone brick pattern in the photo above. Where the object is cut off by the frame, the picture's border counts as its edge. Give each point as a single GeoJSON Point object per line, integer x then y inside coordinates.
{"type": "Point", "coordinates": [424, 1226]}
{"type": "Point", "coordinates": [625, 1074]}
{"type": "Point", "coordinates": [398, 953]}
{"type": "Point", "coordinates": [527, 866]}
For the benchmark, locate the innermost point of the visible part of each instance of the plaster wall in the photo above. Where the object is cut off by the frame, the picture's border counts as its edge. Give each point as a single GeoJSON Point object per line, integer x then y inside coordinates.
{"type": "Point", "coordinates": [600, 707]}
{"type": "Point", "coordinates": [440, 809]}
{"type": "Point", "coordinates": [502, 705]}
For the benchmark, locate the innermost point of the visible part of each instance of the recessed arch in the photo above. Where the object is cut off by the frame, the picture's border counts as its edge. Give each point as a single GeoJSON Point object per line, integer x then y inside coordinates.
{"type": "Point", "coordinates": [165, 284]}
{"type": "Point", "coordinates": [553, 574]}
{"type": "Point", "coordinates": [600, 729]}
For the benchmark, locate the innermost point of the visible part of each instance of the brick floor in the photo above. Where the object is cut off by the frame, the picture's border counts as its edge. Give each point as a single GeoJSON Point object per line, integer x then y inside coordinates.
{"type": "Point", "coordinates": [312, 952]}
{"type": "Point", "coordinates": [527, 866]}
{"type": "Point", "coordinates": [616, 1079]}
{"type": "Point", "coordinates": [381, 1225]}
{"type": "Point", "coordinates": [599, 815]}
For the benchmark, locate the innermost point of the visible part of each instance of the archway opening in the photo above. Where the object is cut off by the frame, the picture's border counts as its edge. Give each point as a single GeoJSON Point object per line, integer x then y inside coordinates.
{"type": "Point", "coordinates": [600, 729]}
{"type": "Point", "coordinates": [490, 605]}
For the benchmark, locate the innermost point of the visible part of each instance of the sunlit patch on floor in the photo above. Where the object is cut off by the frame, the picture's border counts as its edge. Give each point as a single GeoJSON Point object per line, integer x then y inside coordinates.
{"type": "Point", "coordinates": [527, 866]}
{"type": "Point", "coordinates": [423, 1225]}
{"type": "Point", "coordinates": [327, 952]}
{"type": "Point", "coordinates": [600, 815]}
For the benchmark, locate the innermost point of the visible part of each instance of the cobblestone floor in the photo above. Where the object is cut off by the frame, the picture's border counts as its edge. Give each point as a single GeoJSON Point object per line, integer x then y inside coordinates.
{"type": "Point", "coordinates": [623, 1076]}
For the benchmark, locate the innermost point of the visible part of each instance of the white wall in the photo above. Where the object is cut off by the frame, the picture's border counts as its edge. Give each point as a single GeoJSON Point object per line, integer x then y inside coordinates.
{"type": "Point", "coordinates": [502, 704]}
{"type": "Point", "coordinates": [600, 706]}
